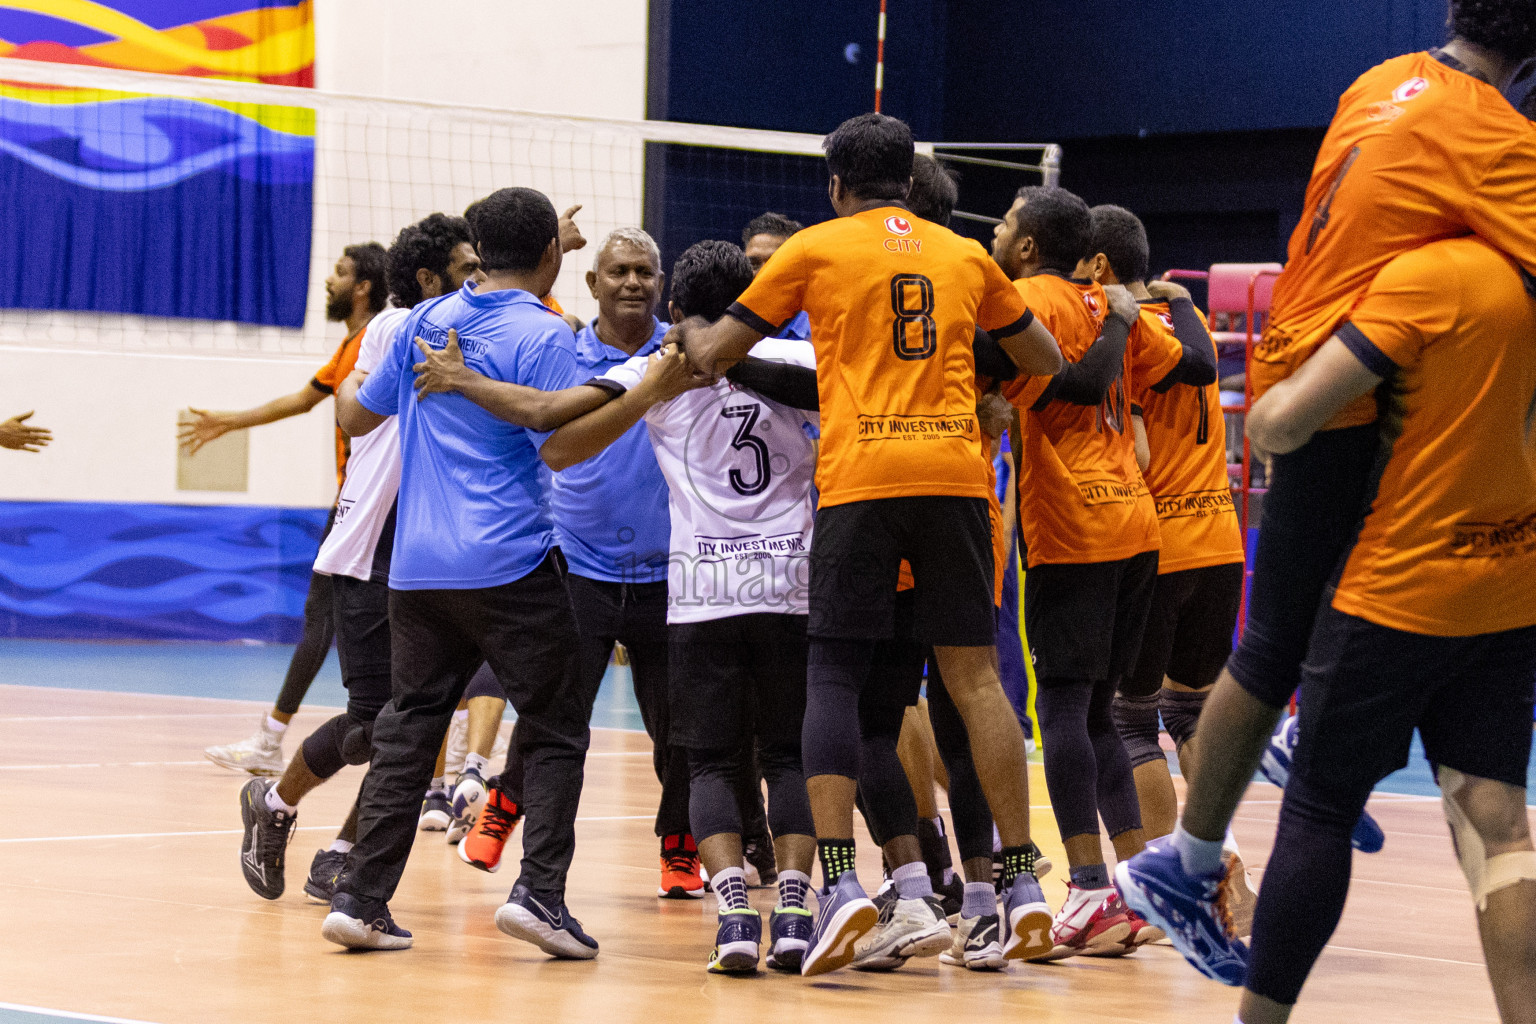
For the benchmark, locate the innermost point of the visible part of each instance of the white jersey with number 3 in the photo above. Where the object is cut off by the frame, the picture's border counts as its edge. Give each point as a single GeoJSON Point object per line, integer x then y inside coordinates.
{"type": "Point", "coordinates": [739, 469]}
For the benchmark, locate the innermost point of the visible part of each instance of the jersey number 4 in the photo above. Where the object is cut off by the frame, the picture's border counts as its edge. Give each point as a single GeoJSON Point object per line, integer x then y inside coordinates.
{"type": "Point", "coordinates": [745, 440]}
{"type": "Point", "coordinates": [914, 333]}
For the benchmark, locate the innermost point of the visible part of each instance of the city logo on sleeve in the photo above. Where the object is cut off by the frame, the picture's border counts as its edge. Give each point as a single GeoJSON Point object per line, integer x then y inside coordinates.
{"type": "Point", "coordinates": [898, 225]}
{"type": "Point", "coordinates": [1409, 89]}
{"type": "Point", "coordinates": [1092, 302]}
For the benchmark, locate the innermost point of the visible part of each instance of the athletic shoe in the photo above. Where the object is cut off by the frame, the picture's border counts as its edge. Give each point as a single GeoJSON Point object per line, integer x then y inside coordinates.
{"type": "Point", "coordinates": [260, 754]}
{"type": "Point", "coordinates": [458, 744]}
{"type": "Point", "coordinates": [758, 863]}
{"type": "Point", "coordinates": [952, 897]}
{"type": "Point", "coordinates": [465, 803]}
{"type": "Point", "coordinates": [1092, 922]}
{"type": "Point", "coordinates": [363, 924]}
{"type": "Point", "coordinates": [1139, 932]}
{"type": "Point", "coordinates": [737, 937]}
{"type": "Point", "coordinates": [434, 812]}
{"type": "Point", "coordinates": [264, 846]}
{"type": "Point", "coordinates": [320, 886]}
{"type": "Point", "coordinates": [905, 929]}
{"type": "Point", "coordinates": [789, 934]}
{"type": "Point", "coordinates": [977, 945]}
{"type": "Point", "coordinates": [1188, 908]}
{"type": "Point", "coordinates": [1026, 920]}
{"type": "Point", "coordinates": [1275, 766]}
{"type": "Point", "coordinates": [545, 923]}
{"type": "Point", "coordinates": [481, 847]}
{"type": "Point", "coordinates": [680, 873]}
{"type": "Point", "coordinates": [844, 915]}
{"type": "Point", "coordinates": [1237, 895]}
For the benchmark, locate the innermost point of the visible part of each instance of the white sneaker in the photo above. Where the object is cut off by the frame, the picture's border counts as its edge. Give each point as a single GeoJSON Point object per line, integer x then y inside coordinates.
{"type": "Point", "coordinates": [458, 744]}
{"type": "Point", "coordinates": [907, 928]}
{"type": "Point", "coordinates": [261, 754]}
{"type": "Point", "coordinates": [1092, 922]}
{"type": "Point", "coordinates": [466, 802]}
{"type": "Point", "coordinates": [977, 946]}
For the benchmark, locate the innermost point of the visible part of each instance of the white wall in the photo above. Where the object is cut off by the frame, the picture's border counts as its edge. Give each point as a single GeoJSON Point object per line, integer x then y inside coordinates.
{"type": "Point", "coordinates": [581, 57]}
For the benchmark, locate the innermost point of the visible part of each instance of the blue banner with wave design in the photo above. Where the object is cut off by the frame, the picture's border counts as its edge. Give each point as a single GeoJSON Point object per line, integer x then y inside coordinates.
{"type": "Point", "coordinates": [155, 205]}
{"type": "Point", "coordinates": [81, 570]}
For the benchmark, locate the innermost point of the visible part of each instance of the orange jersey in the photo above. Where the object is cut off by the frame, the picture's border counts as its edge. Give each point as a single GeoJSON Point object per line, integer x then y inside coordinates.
{"type": "Point", "coordinates": [1449, 545]}
{"type": "Point", "coordinates": [328, 380]}
{"type": "Point", "coordinates": [554, 307]}
{"type": "Point", "coordinates": [1417, 151]}
{"type": "Point", "coordinates": [1081, 496]}
{"type": "Point", "coordinates": [894, 303]}
{"type": "Point", "coordinates": [1187, 434]}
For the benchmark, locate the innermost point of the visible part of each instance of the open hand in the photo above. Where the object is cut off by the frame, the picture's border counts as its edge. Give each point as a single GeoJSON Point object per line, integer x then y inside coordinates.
{"type": "Point", "coordinates": [440, 370]}
{"type": "Point", "coordinates": [1167, 290]}
{"type": "Point", "coordinates": [17, 436]}
{"type": "Point", "coordinates": [209, 426]}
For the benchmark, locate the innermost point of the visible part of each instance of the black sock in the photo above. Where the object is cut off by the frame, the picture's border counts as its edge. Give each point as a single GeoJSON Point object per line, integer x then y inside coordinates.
{"type": "Point", "coordinates": [1018, 860]}
{"type": "Point", "coordinates": [836, 857]}
{"type": "Point", "coordinates": [1091, 876]}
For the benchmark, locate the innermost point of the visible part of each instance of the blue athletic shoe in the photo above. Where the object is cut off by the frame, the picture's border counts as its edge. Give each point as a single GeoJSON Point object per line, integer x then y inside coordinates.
{"type": "Point", "coordinates": [844, 915]}
{"type": "Point", "coordinates": [737, 938]}
{"type": "Point", "coordinates": [362, 924]}
{"type": "Point", "coordinates": [1275, 766]}
{"type": "Point", "coordinates": [546, 923]}
{"type": "Point", "coordinates": [1026, 920]}
{"type": "Point", "coordinates": [1154, 884]}
{"type": "Point", "coordinates": [789, 931]}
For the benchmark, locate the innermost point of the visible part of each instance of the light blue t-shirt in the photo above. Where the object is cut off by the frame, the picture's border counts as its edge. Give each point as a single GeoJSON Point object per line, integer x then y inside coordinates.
{"type": "Point", "coordinates": [611, 513]}
{"type": "Point", "coordinates": [473, 509]}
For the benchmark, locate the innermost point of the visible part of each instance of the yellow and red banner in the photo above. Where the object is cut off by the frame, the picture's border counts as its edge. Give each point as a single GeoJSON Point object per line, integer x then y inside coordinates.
{"type": "Point", "coordinates": [247, 40]}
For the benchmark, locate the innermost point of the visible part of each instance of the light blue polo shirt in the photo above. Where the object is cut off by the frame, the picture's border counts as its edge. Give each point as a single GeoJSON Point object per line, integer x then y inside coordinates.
{"type": "Point", "coordinates": [473, 510]}
{"type": "Point", "coordinates": [611, 514]}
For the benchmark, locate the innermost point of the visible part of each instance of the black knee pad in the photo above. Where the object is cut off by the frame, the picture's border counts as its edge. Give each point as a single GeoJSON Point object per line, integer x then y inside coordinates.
{"type": "Point", "coordinates": [1181, 712]}
{"type": "Point", "coordinates": [324, 748]}
{"type": "Point", "coordinates": [1136, 721]}
{"type": "Point", "coordinates": [357, 746]}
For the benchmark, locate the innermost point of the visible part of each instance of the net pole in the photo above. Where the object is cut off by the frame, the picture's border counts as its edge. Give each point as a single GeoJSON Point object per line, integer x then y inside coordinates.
{"type": "Point", "coordinates": [880, 58]}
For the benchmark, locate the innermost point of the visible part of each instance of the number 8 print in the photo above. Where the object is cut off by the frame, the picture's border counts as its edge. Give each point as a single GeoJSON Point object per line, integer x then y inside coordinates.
{"type": "Point", "coordinates": [903, 287]}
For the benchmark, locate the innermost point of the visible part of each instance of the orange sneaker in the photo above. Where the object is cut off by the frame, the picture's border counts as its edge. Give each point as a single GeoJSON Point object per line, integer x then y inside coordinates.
{"type": "Point", "coordinates": [680, 869]}
{"type": "Point", "coordinates": [482, 847]}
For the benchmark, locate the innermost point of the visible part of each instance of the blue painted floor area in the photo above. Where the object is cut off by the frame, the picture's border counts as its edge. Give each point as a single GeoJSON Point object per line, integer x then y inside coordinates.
{"type": "Point", "coordinates": [10, 1013]}
{"type": "Point", "coordinates": [231, 671]}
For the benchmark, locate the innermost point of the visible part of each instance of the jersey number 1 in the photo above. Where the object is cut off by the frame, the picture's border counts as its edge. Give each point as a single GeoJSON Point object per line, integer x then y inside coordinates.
{"type": "Point", "coordinates": [912, 302]}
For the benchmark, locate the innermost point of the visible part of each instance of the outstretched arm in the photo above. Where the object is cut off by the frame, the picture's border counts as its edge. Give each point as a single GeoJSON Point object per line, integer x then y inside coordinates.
{"type": "Point", "coordinates": [667, 375]}
{"type": "Point", "coordinates": [210, 426]}
{"type": "Point", "coordinates": [17, 436]}
{"type": "Point", "coordinates": [443, 370]}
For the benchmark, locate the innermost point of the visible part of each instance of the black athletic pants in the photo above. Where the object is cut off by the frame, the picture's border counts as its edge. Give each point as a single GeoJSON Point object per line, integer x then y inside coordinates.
{"type": "Point", "coordinates": [526, 632]}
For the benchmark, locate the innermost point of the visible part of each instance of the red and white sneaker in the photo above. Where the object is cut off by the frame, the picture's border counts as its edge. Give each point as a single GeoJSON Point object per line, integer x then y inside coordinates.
{"type": "Point", "coordinates": [680, 869]}
{"type": "Point", "coordinates": [1093, 922]}
{"type": "Point", "coordinates": [482, 847]}
{"type": "Point", "coordinates": [1142, 932]}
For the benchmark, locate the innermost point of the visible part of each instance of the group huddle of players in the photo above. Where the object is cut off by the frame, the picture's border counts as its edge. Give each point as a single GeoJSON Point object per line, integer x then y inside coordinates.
{"type": "Point", "coordinates": [783, 503]}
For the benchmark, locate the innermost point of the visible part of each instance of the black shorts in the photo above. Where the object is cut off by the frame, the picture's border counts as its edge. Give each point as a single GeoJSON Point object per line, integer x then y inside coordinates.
{"type": "Point", "coordinates": [1318, 495]}
{"type": "Point", "coordinates": [856, 554]}
{"type": "Point", "coordinates": [361, 610]}
{"type": "Point", "coordinates": [896, 667]}
{"type": "Point", "coordinates": [1365, 688]}
{"type": "Point", "coordinates": [1189, 629]}
{"type": "Point", "coordinates": [731, 679]}
{"type": "Point", "coordinates": [1084, 620]}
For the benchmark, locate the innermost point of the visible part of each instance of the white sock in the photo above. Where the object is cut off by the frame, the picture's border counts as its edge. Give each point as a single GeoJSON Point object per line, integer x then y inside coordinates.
{"type": "Point", "coordinates": [912, 882]}
{"type": "Point", "coordinates": [730, 887]}
{"type": "Point", "coordinates": [1199, 856]}
{"type": "Point", "coordinates": [340, 846]}
{"type": "Point", "coordinates": [275, 803]}
{"type": "Point", "coordinates": [461, 715]}
{"type": "Point", "coordinates": [439, 784]}
{"type": "Point", "coordinates": [275, 727]}
{"type": "Point", "coordinates": [1230, 844]}
{"type": "Point", "coordinates": [477, 762]}
{"type": "Point", "coordinates": [997, 840]}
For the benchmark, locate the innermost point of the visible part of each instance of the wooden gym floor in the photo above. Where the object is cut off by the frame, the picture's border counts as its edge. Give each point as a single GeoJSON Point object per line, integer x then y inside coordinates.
{"type": "Point", "coordinates": [121, 897]}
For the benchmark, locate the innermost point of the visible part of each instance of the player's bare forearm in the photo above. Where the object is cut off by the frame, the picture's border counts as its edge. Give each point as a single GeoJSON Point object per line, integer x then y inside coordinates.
{"type": "Point", "coordinates": [1143, 448]}
{"type": "Point", "coordinates": [353, 417]}
{"type": "Point", "coordinates": [1033, 350]}
{"type": "Point", "coordinates": [531, 407]}
{"type": "Point", "coordinates": [1291, 412]}
{"type": "Point", "coordinates": [715, 348]}
{"type": "Point", "coordinates": [296, 404]}
{"type": "Point", "coordinates": [587, 435]}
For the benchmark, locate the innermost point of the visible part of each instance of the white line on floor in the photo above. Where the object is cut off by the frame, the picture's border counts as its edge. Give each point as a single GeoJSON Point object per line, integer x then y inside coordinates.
{"type": "Point", "coordinates": [84, 764]}
{"type": "Point", "coordinates": [1409, 956]}
{"type": "Point", "coordinates": [236, 831]}
{"type": "Point", "coordinates": [124, 718]}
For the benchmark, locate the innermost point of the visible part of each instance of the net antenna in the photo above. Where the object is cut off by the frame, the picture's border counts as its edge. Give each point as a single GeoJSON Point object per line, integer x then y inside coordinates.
{"type": "Point", "coordinates": [880, 58]}
{"type": "Point", "coordinates": [1047, 163]}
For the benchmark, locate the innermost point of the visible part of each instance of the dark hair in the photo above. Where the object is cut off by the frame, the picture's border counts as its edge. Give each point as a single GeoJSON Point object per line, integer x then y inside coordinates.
{"type": "Point", "coordinates": [512, 228]}
{"type": "Point", "coordinates": [370, 263]}
{"type": "Point", "coordinates": [935, 190]}
{"type": "Point", "coordinates": [1122, 238]}
{"type": "Point", "coordinates": [775, 224]}
{"type": "Point", "coordinates": [708, 277]}
{"type": "Point", "coordinates": [872, 155]}
{"type": "Point", "coordinates": [426, 245]}
{"type": "Point", "coordinates": [1507, 27]}
{"type": "Point", "coordinates": [1059, 223]}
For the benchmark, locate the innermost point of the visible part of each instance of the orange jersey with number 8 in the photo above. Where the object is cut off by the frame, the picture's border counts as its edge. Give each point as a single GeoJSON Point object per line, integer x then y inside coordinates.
{"type": "Point", "coordinates": [894, 303]}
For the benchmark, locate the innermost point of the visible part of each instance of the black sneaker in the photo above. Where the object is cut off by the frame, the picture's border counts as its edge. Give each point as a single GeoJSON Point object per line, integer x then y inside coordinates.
{"type": "Point", "coordinates": [320, 886]}
{"type": "Point", "coordinates": [935, 847]}
{"type": "Point", "coordinates": [363, 924]}
{"type": "Point", "coordinates": [758, 853]}
{"type": "Point", "coordinates": [546, 923]}
{"type": "Point", "coordinates": [267, 834]}
{"type": "Point", "coordinates": [951, 897]}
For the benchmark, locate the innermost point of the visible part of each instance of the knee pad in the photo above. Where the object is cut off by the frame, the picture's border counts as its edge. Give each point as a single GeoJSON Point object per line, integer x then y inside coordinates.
{"type": "Point", "coordinates": [1485, 875]}
{"type": "Point", "coordinates": [325, 748]}
{"type": "Point", "coordinates": [1181, 712]}
{"type": "Point", "coordinates": [357, 745]}
{"type": "Point", "coordinates": [1136, 721]}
